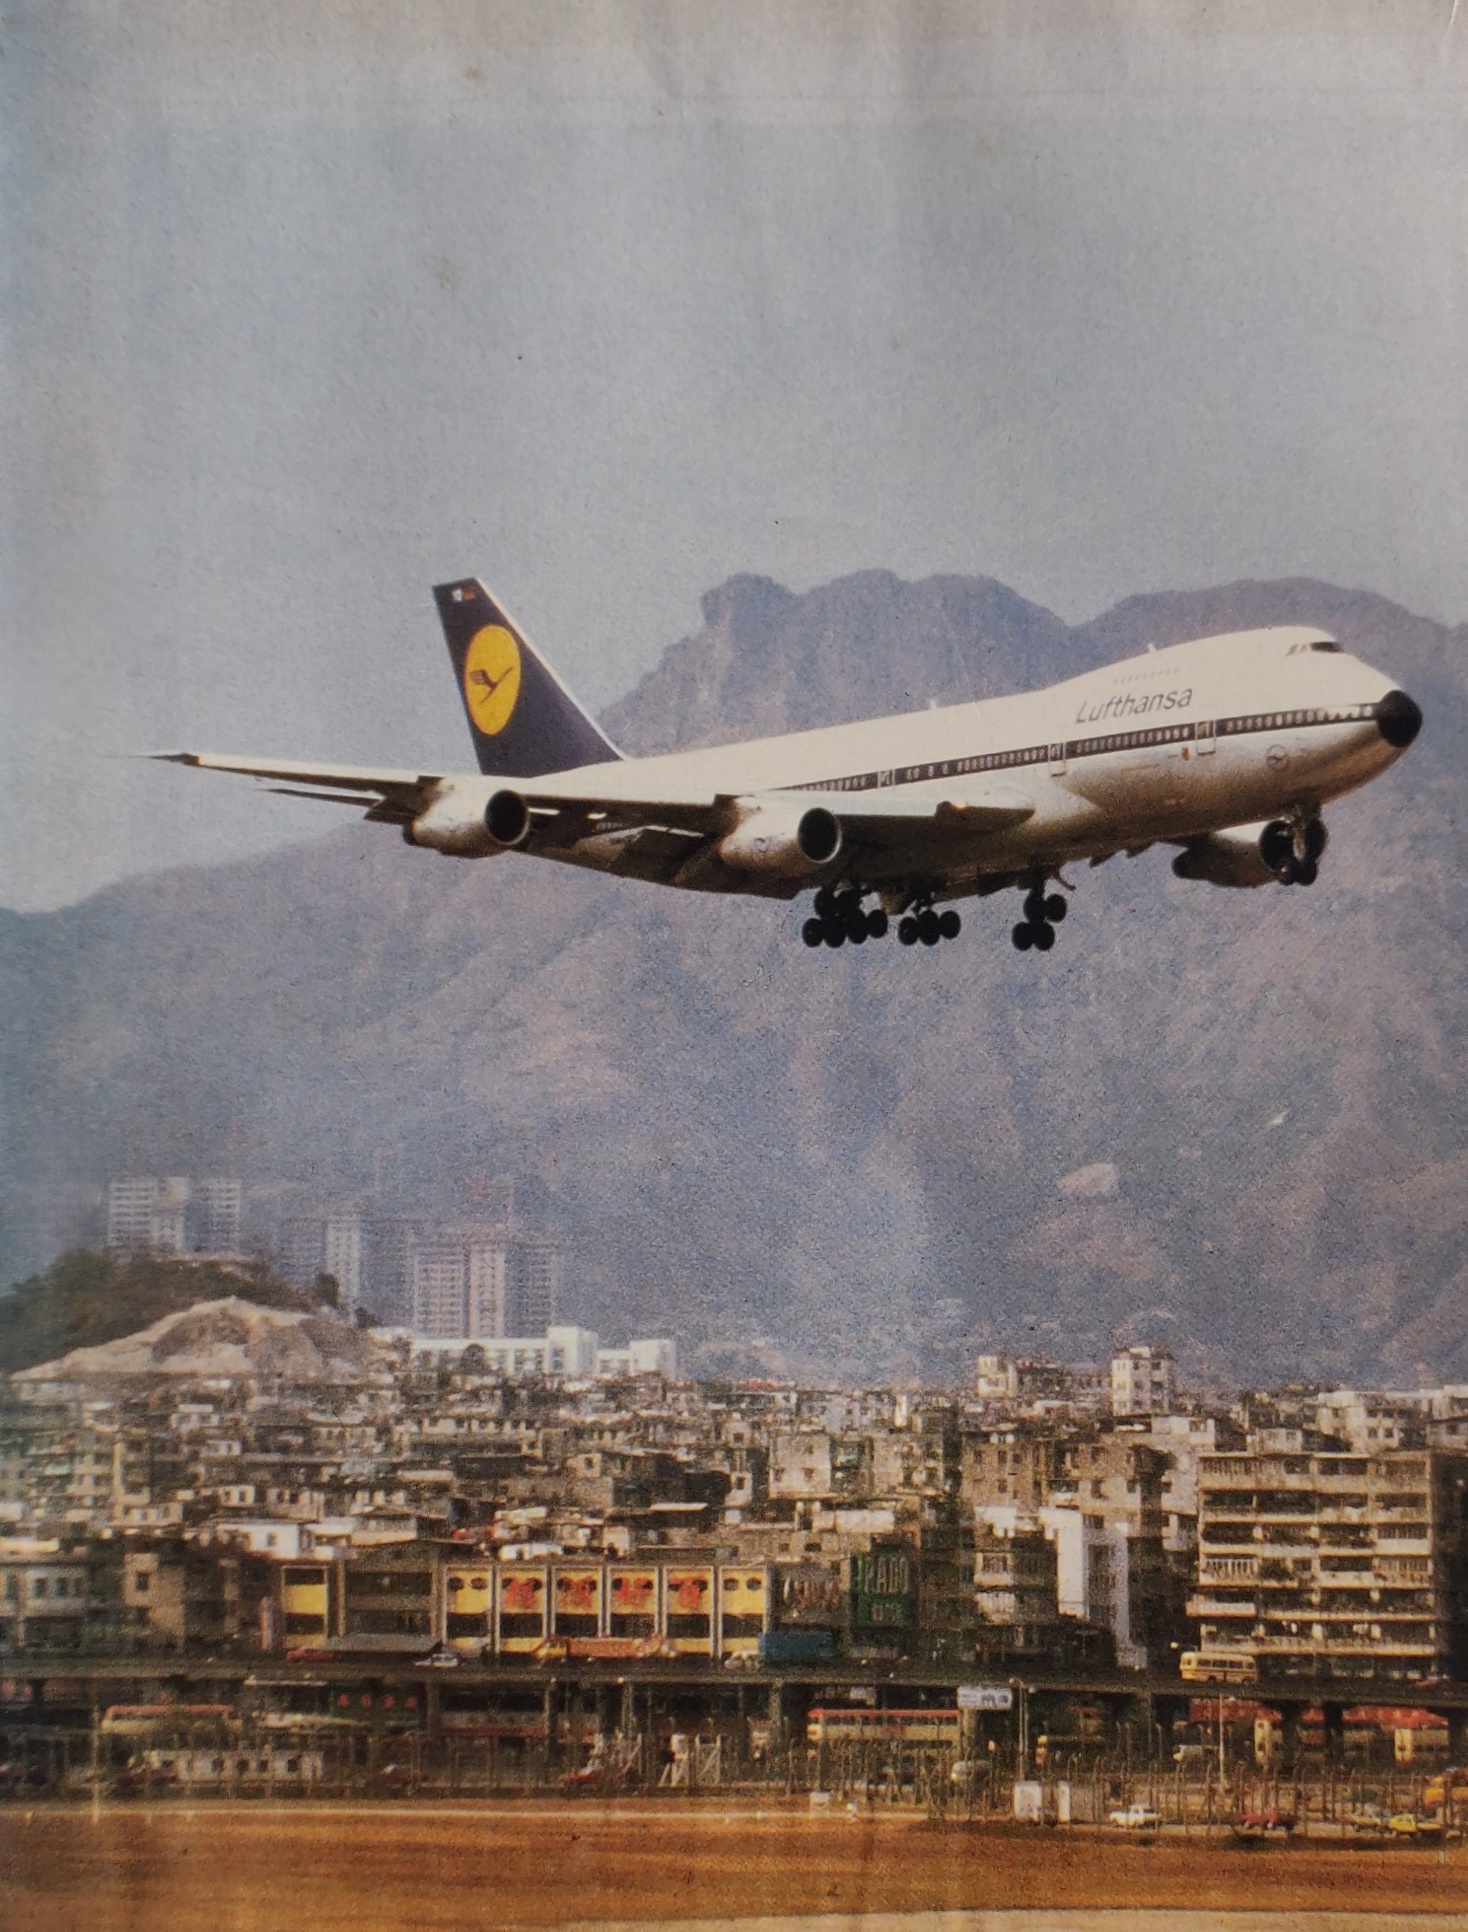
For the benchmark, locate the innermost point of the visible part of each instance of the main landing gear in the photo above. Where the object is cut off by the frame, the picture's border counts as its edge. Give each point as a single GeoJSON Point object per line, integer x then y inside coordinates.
{"type": "Point", "coordinates": [1042, 915]}
{"type": "Point", "coordinates": [839, 916]}
{"type": "Point", "coordinates": [928, 926]}
{"type": "Point", "coordinates": [1292, 848]}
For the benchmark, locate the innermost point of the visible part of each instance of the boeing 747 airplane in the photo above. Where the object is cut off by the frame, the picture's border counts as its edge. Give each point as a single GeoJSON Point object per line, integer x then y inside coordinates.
{"type": "Point", "coordinates": [1227, 747]}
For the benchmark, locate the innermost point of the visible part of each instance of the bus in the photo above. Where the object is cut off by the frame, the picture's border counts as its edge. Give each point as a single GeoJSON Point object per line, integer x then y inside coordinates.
{"type": "Point", "coordinates": [936, 1727]}
{"type": "Point", "coordinates": [1218, 1667]}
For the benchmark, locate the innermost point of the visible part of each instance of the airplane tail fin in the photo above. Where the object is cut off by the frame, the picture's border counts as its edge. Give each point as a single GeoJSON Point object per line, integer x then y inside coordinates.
{"type": "Point", "coordinates": [523, 720]}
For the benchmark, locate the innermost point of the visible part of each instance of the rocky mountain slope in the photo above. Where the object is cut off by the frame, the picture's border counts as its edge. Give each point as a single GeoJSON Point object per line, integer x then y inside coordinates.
{"type": "Point", "coordinates": [856, 1163]}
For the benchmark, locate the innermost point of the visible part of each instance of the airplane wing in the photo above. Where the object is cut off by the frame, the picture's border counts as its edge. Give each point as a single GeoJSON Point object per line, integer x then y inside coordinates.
{"type": "Point", "coordinates": [875, 816]}
{"type": "Point", "coordinates": [950, 808]}
{"type": "Point", "coordinates": [579, 815]}
{"type": "Point", "coordinates": [391, 797]}
{"type": "Point", "coordinates": [683, 840]}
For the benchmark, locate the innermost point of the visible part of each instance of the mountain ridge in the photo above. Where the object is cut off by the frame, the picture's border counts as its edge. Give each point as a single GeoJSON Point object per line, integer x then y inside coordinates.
{"type": "Point", "coordinates": [847, 1164]}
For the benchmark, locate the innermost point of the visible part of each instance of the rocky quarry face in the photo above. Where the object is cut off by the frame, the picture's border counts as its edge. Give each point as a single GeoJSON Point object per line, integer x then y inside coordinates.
{"type": "Point", "coordinates": [230, 1338]}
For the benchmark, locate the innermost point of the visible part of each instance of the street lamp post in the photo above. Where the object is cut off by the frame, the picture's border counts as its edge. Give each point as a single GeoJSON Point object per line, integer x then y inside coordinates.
{"type": "Point", "coordinates": [1022, 1693]}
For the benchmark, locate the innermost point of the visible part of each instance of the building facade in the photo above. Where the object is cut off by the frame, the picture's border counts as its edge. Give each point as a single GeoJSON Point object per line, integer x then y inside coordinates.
{"type": "Point", "coordinates": [1143, 1382]}
{"type": "Point", "coordinates": [1320, 1563]}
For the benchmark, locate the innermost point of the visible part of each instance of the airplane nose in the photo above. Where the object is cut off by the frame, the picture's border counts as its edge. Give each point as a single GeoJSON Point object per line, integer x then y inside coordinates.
{"type": "Point", "coordinates": [1398, 719]}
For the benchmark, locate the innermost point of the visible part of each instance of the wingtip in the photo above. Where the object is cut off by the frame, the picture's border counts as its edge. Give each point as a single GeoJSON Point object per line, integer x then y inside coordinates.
{"type": "Point", "coordinates": [171, 757]}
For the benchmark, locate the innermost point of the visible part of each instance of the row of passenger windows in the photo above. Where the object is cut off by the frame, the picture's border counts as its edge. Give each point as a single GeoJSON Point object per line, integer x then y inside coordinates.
{"type": "Point", "coordinates": [1285, 720]}
{"type": "Point", "coordinates": [1092, 747]}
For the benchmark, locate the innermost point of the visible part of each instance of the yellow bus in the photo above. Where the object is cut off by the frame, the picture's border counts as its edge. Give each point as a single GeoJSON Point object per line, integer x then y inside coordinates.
{"type": "Point", "coordinates": [1218, 1667]}
{"type": "Point", "coordinates": [939, 1726]}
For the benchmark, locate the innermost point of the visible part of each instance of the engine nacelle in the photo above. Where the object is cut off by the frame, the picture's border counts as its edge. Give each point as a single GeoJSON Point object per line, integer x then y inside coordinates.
{"type": "Point", "coordinates": [507, 818]}
{"type": "Point", "coordinates": [1230, 858]}
{"type": "Point", "coordinates": [780, 837]}
{"type": "Point", "coordinates": [454, 824]}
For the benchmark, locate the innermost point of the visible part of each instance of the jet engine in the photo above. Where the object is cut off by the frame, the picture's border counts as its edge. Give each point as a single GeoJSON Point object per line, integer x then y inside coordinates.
{"type": "Point", "coordinates": [455, 824]}
{"type": "Point", "coordinates": [777, 836]}
{"type": "Point", "coordinates": [507, 817]}
{"type": "Point", "coordinates": [1243, 855]}
{"type": "Point", "coordinates": [1253, 855]}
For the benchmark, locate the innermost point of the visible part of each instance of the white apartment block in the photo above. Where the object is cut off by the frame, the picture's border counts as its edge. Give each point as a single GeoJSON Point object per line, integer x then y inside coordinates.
{"type": "Point", "coordinates": [562, 1350]}
{"type": "Point", "coordinates": [1143, 1382]}
{"type": "Point", "coordinates": [657, 1356]}
{"type": "Point", "coordinates": [148, 1213]}
{"type": "Point", "coordinates": [341, 1257]}
{"type": "Point", "coordinates": [217, 1213]}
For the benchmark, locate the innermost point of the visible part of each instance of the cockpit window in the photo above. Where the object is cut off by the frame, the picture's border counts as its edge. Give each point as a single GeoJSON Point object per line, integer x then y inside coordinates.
{"type": "Point", "coordinates": [1324, 644]}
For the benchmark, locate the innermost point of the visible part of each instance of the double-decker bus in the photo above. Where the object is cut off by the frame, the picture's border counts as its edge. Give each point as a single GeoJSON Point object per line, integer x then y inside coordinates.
{"type": "Point", "coordinates": [862, 1726]}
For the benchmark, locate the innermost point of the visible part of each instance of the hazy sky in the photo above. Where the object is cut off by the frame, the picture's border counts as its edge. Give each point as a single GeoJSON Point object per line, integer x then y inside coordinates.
{"type": "Point", "coordinates": [305, 307]}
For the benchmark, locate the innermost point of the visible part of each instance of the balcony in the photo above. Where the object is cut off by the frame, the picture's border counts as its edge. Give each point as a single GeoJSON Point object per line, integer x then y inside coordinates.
{"type": "Point", "coordinates": [1228, 1569]}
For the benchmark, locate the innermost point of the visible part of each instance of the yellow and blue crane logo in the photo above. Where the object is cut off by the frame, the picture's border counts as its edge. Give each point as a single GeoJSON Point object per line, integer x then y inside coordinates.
{"type": "Point", "coordinates": [491, 678]}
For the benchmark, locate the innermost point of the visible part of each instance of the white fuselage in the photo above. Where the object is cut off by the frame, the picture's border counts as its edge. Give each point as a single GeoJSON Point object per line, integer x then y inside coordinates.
{"type": "Point", "coordinates": [1169, 745]}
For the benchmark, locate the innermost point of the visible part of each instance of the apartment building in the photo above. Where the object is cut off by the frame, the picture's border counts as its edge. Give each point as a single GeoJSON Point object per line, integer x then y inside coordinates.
{"type": "Point", "coordinates": [1143, 1382]}
{"type": "Point", "coordinates": [1322, 1563]}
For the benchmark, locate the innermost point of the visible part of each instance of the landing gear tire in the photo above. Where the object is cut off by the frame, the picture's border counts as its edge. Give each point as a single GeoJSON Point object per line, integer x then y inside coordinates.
{"type": "Point", "coordinates": [930, 929]}
{"type": "Point", "coordinates": [1306, 871]}
{"type": "Point", "coordinates": [1023, 936]}
{"type": "Point", "coordinates": [856, 927]}
{"type": "Point", "coordinates": [1315, 840]}
{"type": "Point", "coordinates": [1034, 906]}
{"type": "Point", "coordinates": [813, 932]}
{"type": "Point", "coordinates": [877, 924]}
{"type": "Point", "coordinates": [949, 924]}
{"type": "Point", "coordinates": [1044, 937]}
{"type": "Point", "coordinates": [907, 931]}
{"type": "Point", "coordinates": [1055, 908]}
{"type": "Point", "coordinates": [825, 902]}
{"type": "Point", "coordinates": [833, 933]}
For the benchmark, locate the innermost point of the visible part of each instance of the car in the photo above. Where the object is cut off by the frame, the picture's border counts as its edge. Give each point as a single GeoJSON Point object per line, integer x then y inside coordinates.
{"type": "Point", "coordinates": [1366, 1818]}
{"type": "Point", "coordinates": [1411, 1824]}
{"type": "Point", "coordinates": [1273, 1822]}
{"type": "Point", "coordinates": [596, 1776]}
{"type": "Point", "coordinates": [1136, 1818]}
